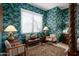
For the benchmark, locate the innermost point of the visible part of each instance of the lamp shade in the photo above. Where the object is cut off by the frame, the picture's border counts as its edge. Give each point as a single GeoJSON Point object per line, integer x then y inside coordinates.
{"type": "Point", "coordinates": [10, 28]}
{"type": "Point", "coordinates": [45, 28]}
{"type": "Point", "coordinates": [65, 30]}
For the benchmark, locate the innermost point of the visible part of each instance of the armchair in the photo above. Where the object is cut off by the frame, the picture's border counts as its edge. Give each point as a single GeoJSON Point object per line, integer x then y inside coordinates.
{"type": "Point", "coordinates": [51, 38]}
{"type": "Point", "coordinates": [14, 48]}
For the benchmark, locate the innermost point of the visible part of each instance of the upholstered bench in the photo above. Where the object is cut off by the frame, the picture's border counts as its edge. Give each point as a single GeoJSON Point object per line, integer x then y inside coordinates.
{"type": "Point", "coordinates": [32, 42]}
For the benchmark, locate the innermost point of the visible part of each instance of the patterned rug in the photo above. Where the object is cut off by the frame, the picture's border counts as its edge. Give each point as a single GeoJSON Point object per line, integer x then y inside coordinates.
{"type": "Point", "coordinates": [45, 50]}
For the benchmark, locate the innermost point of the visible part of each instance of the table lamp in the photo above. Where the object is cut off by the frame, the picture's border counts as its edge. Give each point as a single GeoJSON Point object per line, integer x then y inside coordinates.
{"type": "Point", "coordinates": [10, 29]}
{"type": "Point", "coordinates": [66, 30]}
{"type": "Point", "coordinates": [45, 29]}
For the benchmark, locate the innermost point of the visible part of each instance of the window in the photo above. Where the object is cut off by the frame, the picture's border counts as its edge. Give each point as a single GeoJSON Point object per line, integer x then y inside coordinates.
{"type": "Point", "coordinates": [30, 21]}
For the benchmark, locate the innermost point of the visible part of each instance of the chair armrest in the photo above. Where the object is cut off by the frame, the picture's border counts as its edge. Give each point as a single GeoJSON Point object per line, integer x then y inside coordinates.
{"type": "Point", "coordinates": [16, 50]}
{"type": "Point", "coordinates": [16, 46]}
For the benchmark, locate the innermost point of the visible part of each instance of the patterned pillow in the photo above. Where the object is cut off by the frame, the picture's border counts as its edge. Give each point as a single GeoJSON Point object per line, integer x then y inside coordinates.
{"type": "Point", "coordinates": [7, 44]}
{"type": "Point", "coordinates": [27, 36]}
{"type": "Point", "coordinates": [53, 36]}
{"type": "Point", "coordinates": [34, 35]}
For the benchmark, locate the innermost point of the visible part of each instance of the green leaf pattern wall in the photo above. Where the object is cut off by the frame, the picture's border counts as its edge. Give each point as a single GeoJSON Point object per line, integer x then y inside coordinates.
{"type": "Point", "coordinates": [12, 12]}
{"type": "Point", "coordinates": [54, 18]}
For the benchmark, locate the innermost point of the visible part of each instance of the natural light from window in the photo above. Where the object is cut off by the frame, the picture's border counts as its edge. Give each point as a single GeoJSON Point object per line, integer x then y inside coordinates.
{"type": "Point", "coordinates": [31, 22]}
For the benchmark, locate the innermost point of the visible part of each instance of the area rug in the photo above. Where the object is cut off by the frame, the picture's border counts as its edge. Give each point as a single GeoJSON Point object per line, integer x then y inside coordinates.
{"type": "Point", "coordinates": [45, 50]}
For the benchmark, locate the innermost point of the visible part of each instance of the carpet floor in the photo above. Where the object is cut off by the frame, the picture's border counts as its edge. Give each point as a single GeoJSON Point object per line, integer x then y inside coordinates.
{"type": "Point", "coordinates": [45, 50]}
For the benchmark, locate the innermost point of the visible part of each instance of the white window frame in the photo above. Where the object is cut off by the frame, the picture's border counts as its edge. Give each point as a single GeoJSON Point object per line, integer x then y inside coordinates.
{"type": "Point", "coordinates": [33, 21]}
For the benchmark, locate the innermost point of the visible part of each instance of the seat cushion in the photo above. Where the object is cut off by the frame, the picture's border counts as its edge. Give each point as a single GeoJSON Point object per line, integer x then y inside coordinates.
{"type": "Point", "coordinates": [53, 36]}
{"type": "Point", "coordinates": [33, 40]}
{"type": "Point", "coordinates": [7, 44]}
{"type": "Point", "coordinates": [78, 44]}
{"type": "Point", "coordinates": [48, 38]}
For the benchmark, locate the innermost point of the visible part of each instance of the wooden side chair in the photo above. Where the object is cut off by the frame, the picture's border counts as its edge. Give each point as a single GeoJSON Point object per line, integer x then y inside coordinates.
{"type": "Point", "coordinates": [14, 48]}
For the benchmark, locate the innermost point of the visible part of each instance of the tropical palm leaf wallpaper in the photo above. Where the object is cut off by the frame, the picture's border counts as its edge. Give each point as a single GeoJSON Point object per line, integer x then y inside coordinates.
{"type": "Point", "coordinates": [56, 19]}
{"type": "Point", "coordinates": [12, 15]}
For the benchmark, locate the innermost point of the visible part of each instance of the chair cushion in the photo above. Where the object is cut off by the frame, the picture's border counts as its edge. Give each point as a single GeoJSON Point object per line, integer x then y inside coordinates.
{"type": "Point", "coordinates": [27, 36]}
{"type": "Point", "coordinates": [7, 44]}
{"type": "Point", "coordinates": [78, 44]}
{"type": "Point", "coordinates": [33, 37]}
{"type": "Point", "coordinates": [48, 38]}
{"type": "Point", "coordinates": [33, 40]}
{"type": "Point", "coordinates": [53, 36]}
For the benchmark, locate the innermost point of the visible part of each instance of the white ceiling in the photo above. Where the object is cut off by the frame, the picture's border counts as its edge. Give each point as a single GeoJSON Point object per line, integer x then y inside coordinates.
{"type": "Point", "coordinates": [47, 6]}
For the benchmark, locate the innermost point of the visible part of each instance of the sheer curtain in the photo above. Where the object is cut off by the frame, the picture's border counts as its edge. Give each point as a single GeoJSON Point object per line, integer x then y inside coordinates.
{"type": "Point", "coordinates": [37, 23]}
{"type": "Point", "coordinates": [30, 21]}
